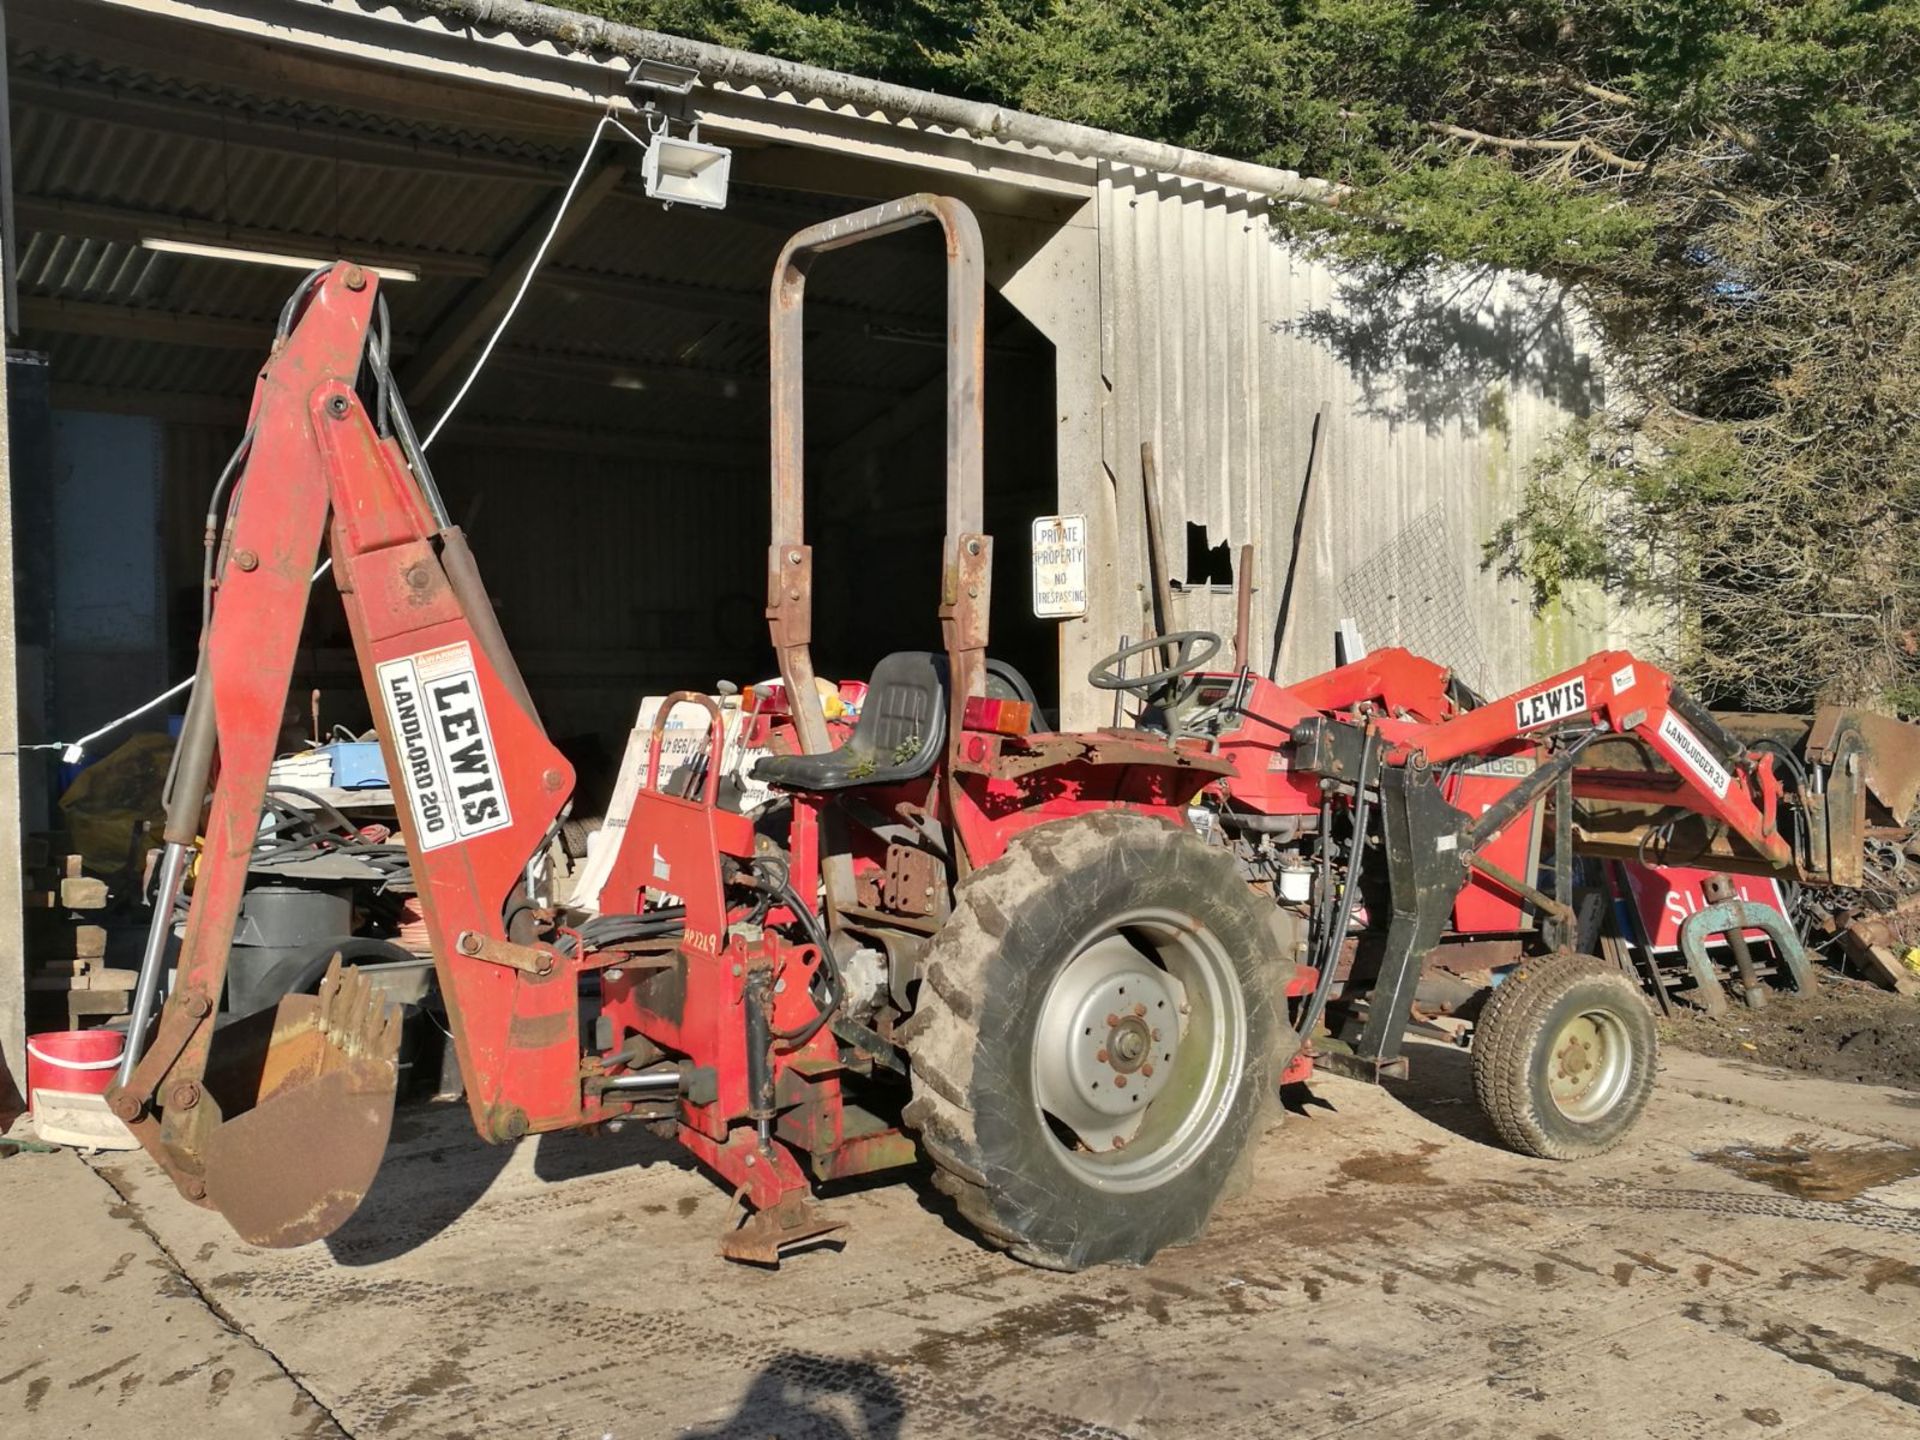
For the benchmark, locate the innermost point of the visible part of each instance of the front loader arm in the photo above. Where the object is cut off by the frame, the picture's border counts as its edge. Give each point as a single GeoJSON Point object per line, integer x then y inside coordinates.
{"type": "Point", "coordinates": [478, 784]}
{"type": "Point", "coordinates": [1713, 773]}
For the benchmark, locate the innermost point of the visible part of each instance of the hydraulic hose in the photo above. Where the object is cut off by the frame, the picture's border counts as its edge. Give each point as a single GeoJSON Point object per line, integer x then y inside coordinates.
{"type": "Point", "coordinates": [1329, 950]}
{"type": "Point", "coordinates": [829, 967]}
{"type": "Point", "coordinates": [604, 931]}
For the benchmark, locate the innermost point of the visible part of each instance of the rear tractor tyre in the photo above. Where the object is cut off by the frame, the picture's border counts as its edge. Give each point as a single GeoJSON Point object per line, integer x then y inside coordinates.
{"type": "Point", "coordinates": [1564, 1057]}
{"type": "Point", "coordinates": [1093, 1045]}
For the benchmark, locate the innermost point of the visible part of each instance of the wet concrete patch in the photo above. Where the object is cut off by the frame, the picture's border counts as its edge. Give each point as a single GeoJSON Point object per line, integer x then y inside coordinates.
{"type": "Point", "coordinates": [1841, 1356]}
{"type": "Point", "coordinates": [1010, 1334]}
{"type": "Point", "coordinates": [1409, 1168]}
{"type": "Point", "coordinates": [1807, 1170]}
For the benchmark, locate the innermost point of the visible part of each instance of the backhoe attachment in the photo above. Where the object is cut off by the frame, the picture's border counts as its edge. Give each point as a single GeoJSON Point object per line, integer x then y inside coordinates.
{"type": "Point", "coordinates": [279, 1120]}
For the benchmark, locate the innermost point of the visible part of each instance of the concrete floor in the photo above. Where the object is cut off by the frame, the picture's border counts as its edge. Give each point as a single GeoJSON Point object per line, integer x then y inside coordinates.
{"type": "Point", "coordinates": [1389, 1274]}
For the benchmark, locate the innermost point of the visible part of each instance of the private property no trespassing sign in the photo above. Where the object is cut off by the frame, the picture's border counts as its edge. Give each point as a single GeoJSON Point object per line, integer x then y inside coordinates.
{"type": "Point", "coordinates": [1059, 566]}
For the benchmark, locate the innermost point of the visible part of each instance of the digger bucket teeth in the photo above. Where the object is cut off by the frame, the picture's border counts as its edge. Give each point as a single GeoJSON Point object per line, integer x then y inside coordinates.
{"type": "Point", "coordinates": [297, 1162]}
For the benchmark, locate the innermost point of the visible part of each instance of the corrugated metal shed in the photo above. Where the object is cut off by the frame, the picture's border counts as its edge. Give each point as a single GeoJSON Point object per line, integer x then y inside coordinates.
{"type": "Point", "coordinates": [643, 348]}
{"type": "Point", "coordinates": [1219, 343]}
{"type": "Point", "coordinates": [645, 322]}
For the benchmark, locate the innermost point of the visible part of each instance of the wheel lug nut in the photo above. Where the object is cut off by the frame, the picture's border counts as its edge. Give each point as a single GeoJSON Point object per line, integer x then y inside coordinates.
{"type": "Point", "coordinates": [1119, 1080]}
{"type": "Point", "coordinates": [1156, 1034]}
{"type": "Point", "coordinates": [1112, 1020]}
{"type": "Point", "coordinates": [1147, 1070]}
{"type": "Point", "coordinates": [1139, 1009]}
{"type": "Point", "coordinates": [1100, 1056]}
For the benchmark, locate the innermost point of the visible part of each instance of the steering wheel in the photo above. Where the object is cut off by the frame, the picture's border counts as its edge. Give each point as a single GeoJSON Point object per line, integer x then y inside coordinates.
{"type": "Point", "coordinates": [1192, 649]}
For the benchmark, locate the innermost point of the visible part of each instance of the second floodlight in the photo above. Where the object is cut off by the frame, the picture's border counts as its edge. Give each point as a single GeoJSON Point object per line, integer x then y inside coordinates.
{"type": "Point", "coordinates": [686, 172]}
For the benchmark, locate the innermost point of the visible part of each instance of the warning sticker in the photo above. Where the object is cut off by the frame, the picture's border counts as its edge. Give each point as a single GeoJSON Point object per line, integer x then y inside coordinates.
{"type": "Point", "coordinates": [1623, 679]}
{"type": "Point", "coordinates": [1694, 754]}
{"type": "Point", "coordinates": [449, 768]}
{"type": "Point", "coordinates": [1059, 566]}
{"type": "Point", "coordinates": [1563, 701]}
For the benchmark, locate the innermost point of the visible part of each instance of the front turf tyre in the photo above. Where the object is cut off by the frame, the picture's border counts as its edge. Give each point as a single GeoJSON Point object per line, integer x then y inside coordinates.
{"type": "Point", "coordinates": [1563, 1057]}
{"type": "Point", "coordinates": [1093, 1042]}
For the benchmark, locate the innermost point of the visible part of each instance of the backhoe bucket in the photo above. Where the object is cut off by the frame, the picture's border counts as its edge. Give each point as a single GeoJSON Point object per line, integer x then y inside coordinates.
{"type": "Point", "coordinates": [308, 1091]}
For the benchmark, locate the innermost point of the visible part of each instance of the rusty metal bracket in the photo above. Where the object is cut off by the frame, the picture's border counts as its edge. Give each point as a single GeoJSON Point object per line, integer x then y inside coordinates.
{"type": "Point", "coordinates": [1732, 918]}
{"type": "Point", "coordinates": [528, 959]}
{"type": "Point", "coordinates": [914, 882]}
{"type": "Point", "coordinates": [182, 1015]}
{"type": "Point", "coordinates": [760, 1238]}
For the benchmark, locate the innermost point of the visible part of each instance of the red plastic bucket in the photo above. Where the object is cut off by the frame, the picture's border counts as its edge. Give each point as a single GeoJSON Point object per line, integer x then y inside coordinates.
{"type": "Point", "coordinates": [73, 1060]}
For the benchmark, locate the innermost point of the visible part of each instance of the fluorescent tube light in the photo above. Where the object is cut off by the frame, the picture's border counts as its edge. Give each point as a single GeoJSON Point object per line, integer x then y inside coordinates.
{"type": "Point", "coordinates": [263, 257]}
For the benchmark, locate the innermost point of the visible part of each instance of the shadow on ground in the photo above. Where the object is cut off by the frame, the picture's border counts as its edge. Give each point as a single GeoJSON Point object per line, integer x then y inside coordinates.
{"type": "Point", "coordinates": [437, 1169]}
{"type": "Point", "coordinates": [1439, 1087]}
{"type": "Point", "coordinates": [797, 1396]}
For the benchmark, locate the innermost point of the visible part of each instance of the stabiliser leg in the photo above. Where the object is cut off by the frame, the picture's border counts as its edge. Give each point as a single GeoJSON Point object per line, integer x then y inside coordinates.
{"type": "Point", "coordinates": [1732, 918]}
{"type": "Point", "coordinates": [1425, 870]}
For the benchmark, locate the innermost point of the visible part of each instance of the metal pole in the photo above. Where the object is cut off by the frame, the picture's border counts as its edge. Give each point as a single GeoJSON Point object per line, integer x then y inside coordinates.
{"type": "Point", "coordinates": [1243, 610]}
{"type": "Point", "coordinates": [1157, 551]}
{"type": "Point", "coordinates": [1299, 531]}
{"type": "Point", "coordinates": [173, 869]}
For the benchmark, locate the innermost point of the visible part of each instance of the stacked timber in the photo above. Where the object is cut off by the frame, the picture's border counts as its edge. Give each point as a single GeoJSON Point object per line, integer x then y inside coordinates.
{"type": "Point", "coordinates": [69, 983]}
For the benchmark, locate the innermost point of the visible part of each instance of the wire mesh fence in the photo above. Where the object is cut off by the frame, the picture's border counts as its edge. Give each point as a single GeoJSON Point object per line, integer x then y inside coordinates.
{"type": "Point", "coordinates": [1410, 592]}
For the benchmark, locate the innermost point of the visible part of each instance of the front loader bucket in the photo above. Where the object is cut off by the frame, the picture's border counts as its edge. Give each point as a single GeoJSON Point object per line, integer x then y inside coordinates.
{"type": "Point", "coordinates": [308, 1090]}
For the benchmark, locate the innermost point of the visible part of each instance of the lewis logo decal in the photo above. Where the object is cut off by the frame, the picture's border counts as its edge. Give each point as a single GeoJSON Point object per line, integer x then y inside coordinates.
{"type": "Point", "coordinates": [1562, 702]}
{"type": "Point", "coordinates": [449, 768]}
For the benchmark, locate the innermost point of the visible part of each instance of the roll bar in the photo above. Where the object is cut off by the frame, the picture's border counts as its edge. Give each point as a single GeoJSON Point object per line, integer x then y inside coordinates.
{"type": "Point", "coordinates": [967, 556]}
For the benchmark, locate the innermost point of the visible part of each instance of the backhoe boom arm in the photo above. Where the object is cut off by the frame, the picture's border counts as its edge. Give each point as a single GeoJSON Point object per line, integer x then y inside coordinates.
{"type": "Point", "coordinates": [477, 783]}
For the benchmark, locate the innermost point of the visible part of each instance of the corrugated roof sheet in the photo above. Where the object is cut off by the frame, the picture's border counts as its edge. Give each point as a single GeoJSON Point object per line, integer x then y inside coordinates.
{"type": "Point", "coordinates": [93, 153]}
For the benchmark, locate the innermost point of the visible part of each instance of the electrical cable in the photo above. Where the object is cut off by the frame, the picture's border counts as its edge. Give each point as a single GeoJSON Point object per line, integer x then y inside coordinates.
{"type": "Point", "coordinates": [520, 293]}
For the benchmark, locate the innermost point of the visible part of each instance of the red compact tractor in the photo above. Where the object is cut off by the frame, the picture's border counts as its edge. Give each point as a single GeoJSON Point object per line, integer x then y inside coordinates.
{"type": "Point", "coordinates": [1068, 970]}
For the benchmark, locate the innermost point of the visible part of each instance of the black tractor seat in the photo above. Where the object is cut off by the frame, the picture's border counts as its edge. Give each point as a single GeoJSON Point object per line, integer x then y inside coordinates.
{"type": "Point", "coordinates": [901, 730]}
{"type": "Point", "coordinates": [899, 734]}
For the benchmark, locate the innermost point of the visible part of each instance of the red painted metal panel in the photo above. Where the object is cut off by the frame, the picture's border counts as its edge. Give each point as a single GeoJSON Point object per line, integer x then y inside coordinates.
{"type": "Point", "coordinates": [1665, 895]}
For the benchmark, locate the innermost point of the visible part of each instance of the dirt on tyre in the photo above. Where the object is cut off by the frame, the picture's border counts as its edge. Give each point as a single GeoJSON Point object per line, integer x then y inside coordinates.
{"type": "Point", "coordinates": [1564, 1056]}
{"type": "Point", "coordinates": [1092, 1050]}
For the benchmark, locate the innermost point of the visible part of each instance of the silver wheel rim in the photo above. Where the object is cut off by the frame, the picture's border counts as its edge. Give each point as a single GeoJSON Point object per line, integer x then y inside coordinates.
{"type": "Point", "coordinates": [1139, 1050]}
{"type": "Point", "coordinates": [1589, 1064]}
